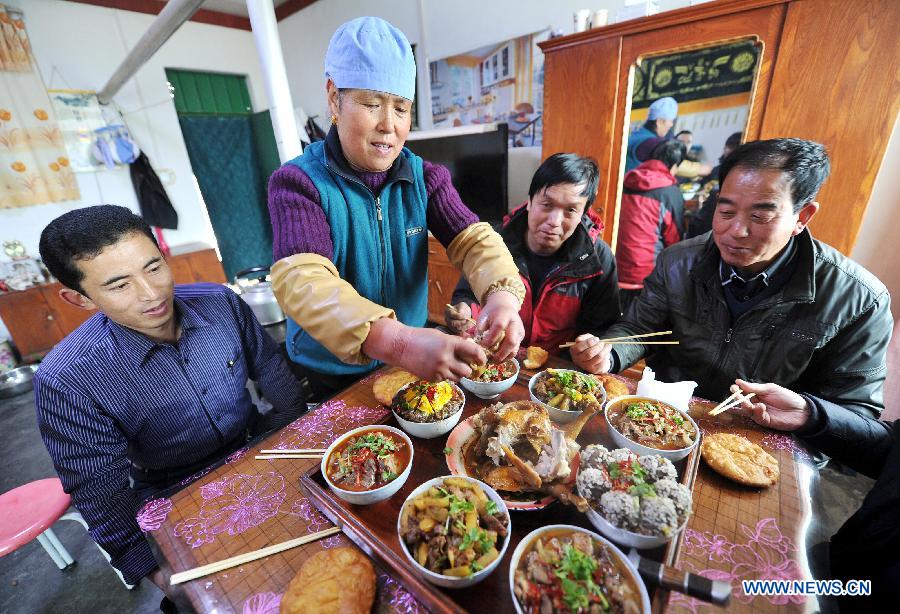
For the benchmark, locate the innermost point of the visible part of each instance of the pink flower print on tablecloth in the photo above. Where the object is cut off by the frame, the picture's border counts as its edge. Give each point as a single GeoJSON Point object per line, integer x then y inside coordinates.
{"type": "Point", "coordinates": [232, 505]}
{"type": "Point", "coordinates": [778, 441]}
{"type": "Point", "coordinates": [314, 519]}
{"type": "Point", "coordinates": [263, 603]}
{"type": "Point", "coordinates": [766, 555]}
{"type": "Point", "coordinates": [319, 427]}
{"type": "Point", "coordinates": [397, 597]}
{"type": "Point", "coordinates": [153, 514]}
{"type": "Point", "coordinates": [196, 476]}
{"type": "Point", "coordinates": [237, 455]}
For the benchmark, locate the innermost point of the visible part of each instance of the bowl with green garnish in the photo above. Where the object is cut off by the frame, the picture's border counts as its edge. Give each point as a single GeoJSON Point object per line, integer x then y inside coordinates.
{"type": "Point", "coordinates": [566, 393]}
{"type": "Point", "coordinates": [650, 426]}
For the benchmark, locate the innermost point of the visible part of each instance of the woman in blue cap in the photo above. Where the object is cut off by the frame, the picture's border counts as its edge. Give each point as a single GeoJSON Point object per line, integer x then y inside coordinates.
{"type": "Point", "coordinates": [350, 220]}
{"type": "Point", "coordinates": [660, 119]}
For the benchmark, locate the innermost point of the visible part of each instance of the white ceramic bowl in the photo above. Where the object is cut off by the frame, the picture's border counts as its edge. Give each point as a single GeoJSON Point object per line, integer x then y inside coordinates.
{"type": "Point", "coordinates": [629, 538]}
{"type": "Point", "coordinates": [642, 450]}
{"type": "Point", "coordinates": [448, 581]}
{"type": "Point", "coordinates": [561, 415]}
{"type": "Point", "coordinates": [430, 430]}
{"type": "Point", "coordinates": [368, 497]}
{"type": "Point", "coordinates": [490, 390]}
{"type": "Point", "coordinates": [519, 552]}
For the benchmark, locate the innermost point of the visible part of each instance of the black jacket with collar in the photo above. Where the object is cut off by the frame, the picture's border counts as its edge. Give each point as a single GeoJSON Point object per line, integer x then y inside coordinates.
{"type": "Point", "coordinates": [825, 333]}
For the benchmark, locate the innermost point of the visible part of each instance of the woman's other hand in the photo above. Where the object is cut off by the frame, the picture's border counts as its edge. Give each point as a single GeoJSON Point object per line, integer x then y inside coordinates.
{"type": "Point", "coordinates": [458, 317]}
{"type": "Point", "coordinates": [774, 406]}
{"type": "Point", "coordinates": [590, 355]}
{"type": "Point", "coordinates": [500, 319]}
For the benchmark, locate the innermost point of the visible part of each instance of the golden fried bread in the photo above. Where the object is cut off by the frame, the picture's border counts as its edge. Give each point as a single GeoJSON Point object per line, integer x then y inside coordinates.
{"type": "Point", "coordinates": [535, 357]}
{"type": "Point", "coordinates": [387, 385]}
{"type": "Point", "coordinates": [739, 459]}
{"type": "Point", "coordinates": [340, 580]}
{"type": "Point", "coordinates": [614, 386]}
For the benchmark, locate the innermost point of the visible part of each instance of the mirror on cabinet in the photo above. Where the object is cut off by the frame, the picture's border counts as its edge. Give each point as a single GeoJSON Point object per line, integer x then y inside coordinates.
{"type": "Point", "coordinates": [701, 98]}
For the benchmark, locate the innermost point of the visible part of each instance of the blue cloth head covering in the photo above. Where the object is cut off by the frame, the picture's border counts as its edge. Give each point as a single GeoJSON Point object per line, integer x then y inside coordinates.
{"type": "Point", "coordinates": [369, 53]}
{"type": "Point", "coordinates": [664, 108]}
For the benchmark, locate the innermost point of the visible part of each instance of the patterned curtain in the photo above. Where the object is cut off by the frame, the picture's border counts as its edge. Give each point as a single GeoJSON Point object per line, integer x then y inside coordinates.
{"type": "Point", "coordinates": [34, 168]}
{"type": "Point", "coordinates": [225, 164]}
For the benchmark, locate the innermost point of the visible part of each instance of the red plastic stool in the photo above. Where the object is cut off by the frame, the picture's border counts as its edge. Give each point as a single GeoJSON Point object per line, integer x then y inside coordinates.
{"type": "Point", "coordinates": [29, 511]}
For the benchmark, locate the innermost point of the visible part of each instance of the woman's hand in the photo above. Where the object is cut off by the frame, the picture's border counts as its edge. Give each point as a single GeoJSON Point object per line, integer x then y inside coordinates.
{"type": "Point", "coordinates": [778, 408]}
{"type": "Point", "coordinates": [458, 317]}
{"type": "Point", "coordinates": [500, 317]}
{"type": "Point", "coordinates": [590, 355]}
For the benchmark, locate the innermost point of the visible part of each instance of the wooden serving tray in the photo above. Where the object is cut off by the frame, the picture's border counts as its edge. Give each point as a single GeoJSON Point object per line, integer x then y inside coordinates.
{"type": "Point", "coordinates": [374, 527]}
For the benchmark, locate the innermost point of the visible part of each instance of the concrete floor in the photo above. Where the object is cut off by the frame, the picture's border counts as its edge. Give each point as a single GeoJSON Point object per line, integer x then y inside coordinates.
{"type": "Point", "coordinates": [30, 583]}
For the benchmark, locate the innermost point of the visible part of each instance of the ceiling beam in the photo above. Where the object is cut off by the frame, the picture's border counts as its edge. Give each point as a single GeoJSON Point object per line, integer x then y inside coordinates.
{"type": "Point", "coordinates": [153, 7]}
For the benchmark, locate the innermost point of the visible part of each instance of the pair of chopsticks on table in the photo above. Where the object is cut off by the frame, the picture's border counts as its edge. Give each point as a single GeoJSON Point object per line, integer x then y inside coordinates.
{"type": "Point", "coordinates": [629, 340]}
{"type": "Point", "coordinates": [296, 453]}
{"type": "Point", "coordinates": [734, 400]}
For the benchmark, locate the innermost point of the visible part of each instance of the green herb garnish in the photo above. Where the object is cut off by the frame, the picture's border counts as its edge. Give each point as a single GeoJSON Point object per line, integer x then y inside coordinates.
{"type": "Point", "coordinates": [379, 444]}
{"type": "Point", "coordinates": [459, 506]}
{"type": "Point", "coordinates": [635, 411]}
{"type": "Point", "coordinates": [387, 476]}
{"type": "Point", "coordinates": [576, 573]}
{"type": "Point", "coordinates": [613, 469]}
{"type": "Point", "coordinates": [491, 507]}
{"type": "Point", "coordinates": [642, 490]}
{"type": "Point", "coordinates": [638, 475]}
{"type": "Point", "coordinates": [476, 567]}
{"type": "Point", "coordinates": [448, 450]}
{"type": "Point", "coordinates": [476, 537]}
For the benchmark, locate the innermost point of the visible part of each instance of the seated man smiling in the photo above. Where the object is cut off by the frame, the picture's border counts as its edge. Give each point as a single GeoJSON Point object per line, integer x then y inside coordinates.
{"type": "Point", "coordinates": [152, 388]}
{"type": "Point", "coordinates": [571, 287]}
{"type": "Point", "coordinates": [759, 298]}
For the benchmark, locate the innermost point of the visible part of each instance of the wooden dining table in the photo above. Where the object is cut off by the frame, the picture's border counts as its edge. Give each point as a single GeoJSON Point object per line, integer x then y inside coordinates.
{"type": "Point", "coordinates": [734, 533]}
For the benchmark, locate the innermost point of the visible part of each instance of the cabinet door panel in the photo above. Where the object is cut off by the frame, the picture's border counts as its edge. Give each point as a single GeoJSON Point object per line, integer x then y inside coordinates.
{"type": "Point", "coordinates": [30, 322]}
{"type": "Point", "coordinates": [67, 317]}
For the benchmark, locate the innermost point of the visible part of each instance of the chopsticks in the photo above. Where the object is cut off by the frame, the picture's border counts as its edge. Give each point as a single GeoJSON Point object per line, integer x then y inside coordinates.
{"type": "Point", "coordinates": [472, 320]}
{"type": "Point", "coordinates": [626, 340]}
{"type": "Point", "coordinates": [295, 453]}
{"type": "Point", "coordinates": [240, 559]}
{"type": "Point", "coordinates": [732, 401]}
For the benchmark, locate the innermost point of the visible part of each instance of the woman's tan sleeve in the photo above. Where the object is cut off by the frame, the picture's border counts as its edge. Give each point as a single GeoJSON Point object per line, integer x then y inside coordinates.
{"type": "Point", "coordinates": [312, 293]}
{"type": "Point", "coordinates": [481, 254]}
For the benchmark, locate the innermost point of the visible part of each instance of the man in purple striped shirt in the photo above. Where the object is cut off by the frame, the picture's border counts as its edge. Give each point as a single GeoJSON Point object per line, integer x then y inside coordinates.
{"type": "Point", "coordinates": [152, 388]}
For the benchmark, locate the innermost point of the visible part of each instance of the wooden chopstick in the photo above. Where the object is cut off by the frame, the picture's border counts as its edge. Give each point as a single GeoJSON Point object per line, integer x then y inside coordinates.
{"type": "Point", "coordinates": [626, 340]}
{"type": "Point", "coordinates": [286, 456]}
{"type": "Point", "coordinates": [642, 342]}
{"type": "Point", "coordinates": [295, 451]}
{"type": "Point", "coordinates": [626, 337]}
{"type": "Point", "coordinates": [240, 559]}
{"type": "Point", "coordinates": [472, 320]}
{"type": "Point", "coordinates": [725, 405]}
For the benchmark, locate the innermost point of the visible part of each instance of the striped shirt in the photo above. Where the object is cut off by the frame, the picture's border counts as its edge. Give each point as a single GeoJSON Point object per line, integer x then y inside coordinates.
{"type": "Point", "coordinates": [108, 396]}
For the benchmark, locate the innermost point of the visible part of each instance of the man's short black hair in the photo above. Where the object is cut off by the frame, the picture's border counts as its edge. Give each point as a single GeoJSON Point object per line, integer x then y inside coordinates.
{"type": "Point", "coordinates": [683, 132]}
{"type": "Point", "coordinates": [804, 162]}
{"type": "Point", "coordinates": [567, 168]}
{"type": "Point", "coordinates": [670, 152]}
{"type": "Point", "coordinates": [82, 234]}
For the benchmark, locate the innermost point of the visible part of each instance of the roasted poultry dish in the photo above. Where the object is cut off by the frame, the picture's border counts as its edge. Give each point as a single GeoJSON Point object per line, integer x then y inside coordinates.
{"type": "Point", "coordinates": [518, 449]}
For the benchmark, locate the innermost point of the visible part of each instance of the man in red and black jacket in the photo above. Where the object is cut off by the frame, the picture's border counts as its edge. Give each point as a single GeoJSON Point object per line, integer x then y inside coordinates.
{"type": "Point", "coordinates": [569, 272]}
{"type": "Point", "coordinates": [652, 215]}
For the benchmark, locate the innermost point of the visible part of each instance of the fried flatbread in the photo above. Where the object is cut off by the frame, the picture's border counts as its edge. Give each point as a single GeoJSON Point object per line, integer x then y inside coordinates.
{"type": "Point", "coordinates": [613, 385]}
{"type": "Point", "coordinates": [535, 357]}
{"type": "Point", "coordinates": [339, 580]}
{"type": "Point", "coordinates": [739, 460]}
{"type": "Point", "coordinates": [387, 385]}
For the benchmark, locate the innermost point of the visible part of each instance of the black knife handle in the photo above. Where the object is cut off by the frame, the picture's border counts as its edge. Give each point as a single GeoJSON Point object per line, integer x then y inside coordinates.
{"type": "Point", "coordinates": [713, 591]}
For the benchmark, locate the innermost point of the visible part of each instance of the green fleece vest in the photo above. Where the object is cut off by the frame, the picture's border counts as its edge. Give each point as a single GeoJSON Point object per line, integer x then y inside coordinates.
{"type": "Point", "coordinates": [380, 247]}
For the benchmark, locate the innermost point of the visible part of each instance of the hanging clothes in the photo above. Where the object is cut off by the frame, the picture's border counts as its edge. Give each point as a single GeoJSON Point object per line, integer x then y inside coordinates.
{"type": "Point", "coordinates": [156, 208]}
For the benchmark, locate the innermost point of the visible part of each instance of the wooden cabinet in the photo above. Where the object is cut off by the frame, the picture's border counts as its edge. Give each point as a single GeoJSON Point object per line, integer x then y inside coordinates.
{"type": "Point", "coordinates": [38, 319]}
{"type": "Point", "coordinates": [442, 279]}
{"type": "Point", "coordinates": [827, 73]}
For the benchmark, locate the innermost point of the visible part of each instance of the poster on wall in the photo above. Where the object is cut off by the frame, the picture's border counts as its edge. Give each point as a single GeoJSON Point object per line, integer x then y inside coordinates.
{"type": "Point", "coordinates": [503, 82]}
{"type": "Point", "coordinates": [79, 114]}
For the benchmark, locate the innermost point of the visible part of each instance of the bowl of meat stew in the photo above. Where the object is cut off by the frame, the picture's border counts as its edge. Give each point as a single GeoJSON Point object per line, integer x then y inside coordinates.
{"type": "Point", "coordinates": [368, 464]}
{"type": "Point", "coordinates": [488, 381]}
{"type": "Point", "coordinates": [648, 426]}
{"type": "Point", "coordinates": [564, 568]}
{"type": "Point", "coordinates": [454, 530]}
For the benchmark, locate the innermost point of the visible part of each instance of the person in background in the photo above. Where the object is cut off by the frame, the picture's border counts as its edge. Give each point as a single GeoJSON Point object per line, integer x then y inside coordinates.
{"type": "Point", "coordinates": [351, 218]}
{"type": "Point", "coordinates": [690, 169]}
{"type": "Point", "coordinates": [568, 271]}
{"type": "Point", "coordinates": [686, 137]}
{"type": "Point", "coordinates": [867, 546]}
{"type": "Point", "coordinates": [759, 298]}
{"type": "Point", "coordinates": [152, 388]}
{"type": "Point", "coordinates": [660, 119]}
{"type": "Point", "coordinates": [651, 216]}
{"type": "Point", "coordinates": [701, 222]}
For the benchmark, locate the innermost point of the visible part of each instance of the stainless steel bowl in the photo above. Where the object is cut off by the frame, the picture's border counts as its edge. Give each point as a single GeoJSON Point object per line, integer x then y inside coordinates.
{"type": "Point", "coordinates": [17, 381]}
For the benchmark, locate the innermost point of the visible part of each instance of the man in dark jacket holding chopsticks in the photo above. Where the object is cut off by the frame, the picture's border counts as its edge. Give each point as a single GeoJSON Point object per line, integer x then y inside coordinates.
{"type": "Point", "coordinates": [759, 298]}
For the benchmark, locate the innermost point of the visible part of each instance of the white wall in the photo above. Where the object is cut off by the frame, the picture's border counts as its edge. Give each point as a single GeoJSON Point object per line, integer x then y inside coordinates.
{"type": "Point", "coordinates": [450, 28]}
{"type": "Point", "coordinates": [877, 247]}
{"type": "Point", "coordinates": [79, 46]}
